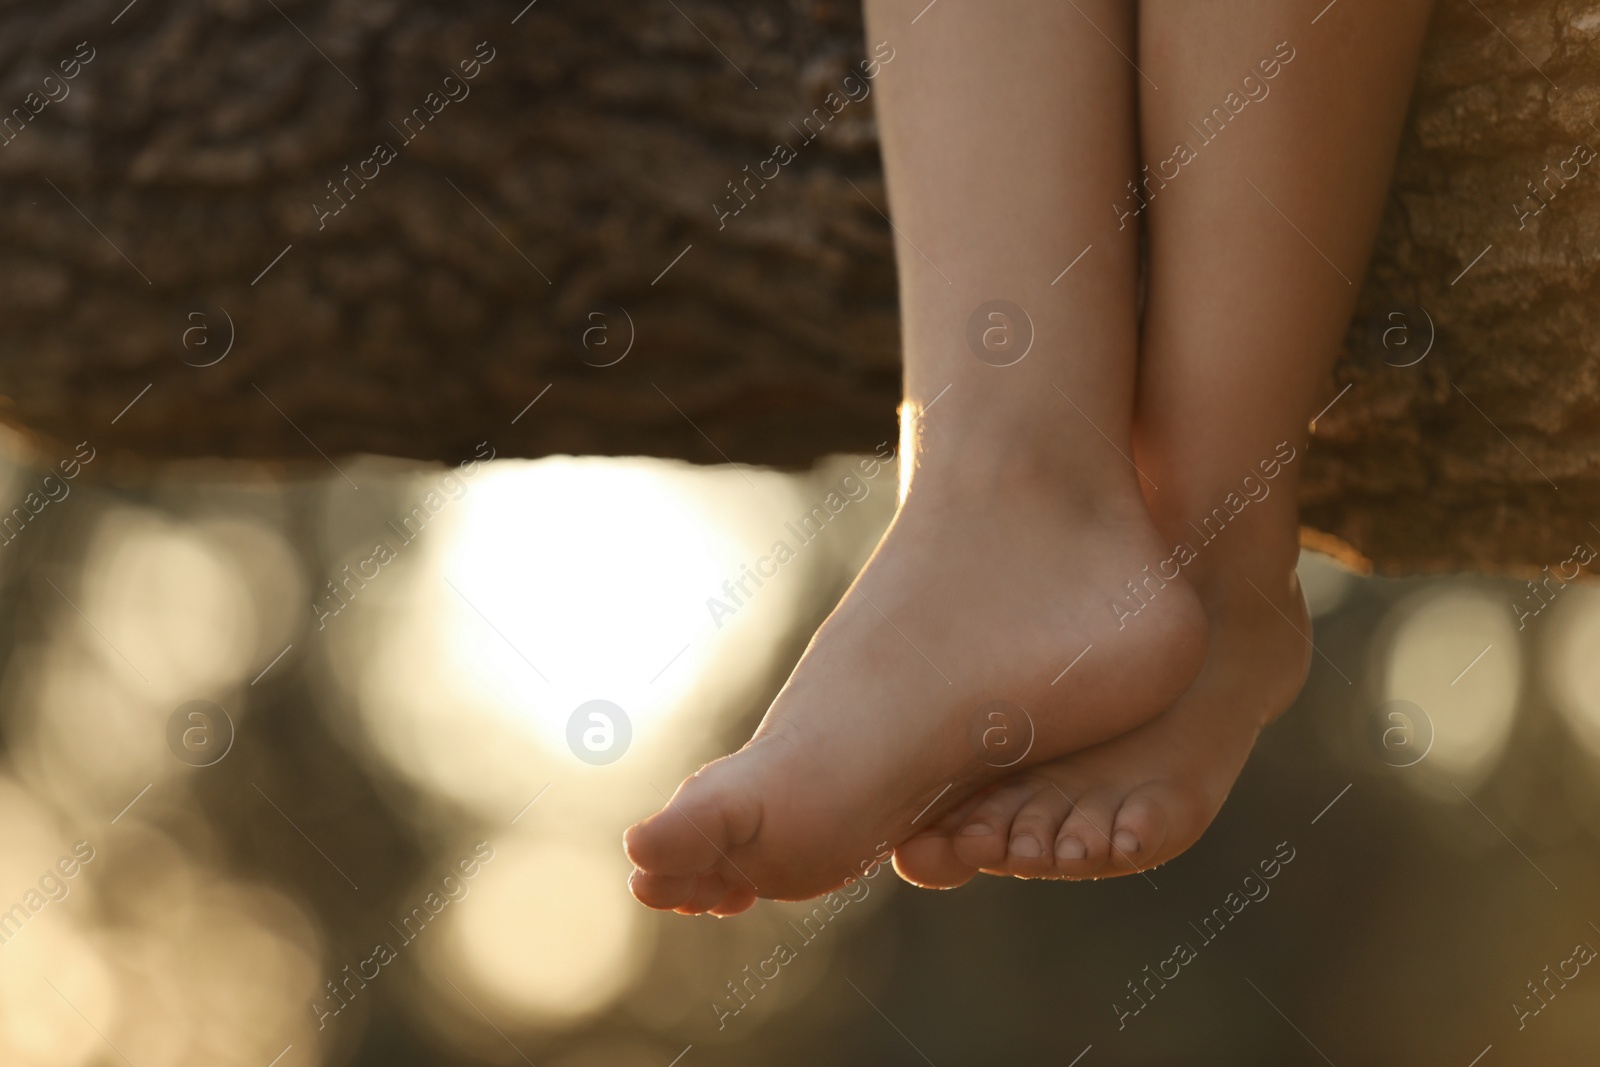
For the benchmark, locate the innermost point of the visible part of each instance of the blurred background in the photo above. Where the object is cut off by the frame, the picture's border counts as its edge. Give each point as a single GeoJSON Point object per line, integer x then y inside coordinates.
{"type": "Point", "coordinates": [276, 763]}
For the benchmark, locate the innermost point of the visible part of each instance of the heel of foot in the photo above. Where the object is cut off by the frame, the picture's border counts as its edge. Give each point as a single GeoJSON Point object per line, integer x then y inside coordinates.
{"type": "Point", "coordinates": [1167, 641]}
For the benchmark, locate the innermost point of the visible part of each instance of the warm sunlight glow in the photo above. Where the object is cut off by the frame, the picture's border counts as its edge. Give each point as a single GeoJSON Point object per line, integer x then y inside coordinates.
{"type": "Point", "coordinates": [1571, 667]}
{"type": "Point", "coordinates": [573, 580]}
{"type": "Point", "coordinates": [166, 612]}
{"type": "Point", "coordinates": [546, 585]}
{"type": "Point", "coordinates": [1325, 581]}
{"type": "Point", "coordinates": [910, 422]}
{"type": "Point", "coordinates": [550, 929]}
{"type": "Point", "coordinates": [1439, 634]}
{"type": "Point", "coordinates": [172, 610]}
{"type": "Point", "coordinates": [115, 939]}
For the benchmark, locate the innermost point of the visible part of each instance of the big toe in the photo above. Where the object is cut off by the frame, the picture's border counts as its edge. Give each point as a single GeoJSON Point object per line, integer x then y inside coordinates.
{"type": "Point", "coordinates": [714, 812]}
{"type": "Point", "coordinates": [690, 894]}
{"type": "Point", "coordinates": [664, 892]}
{"type": "Point", "coordinates": [929, 860]}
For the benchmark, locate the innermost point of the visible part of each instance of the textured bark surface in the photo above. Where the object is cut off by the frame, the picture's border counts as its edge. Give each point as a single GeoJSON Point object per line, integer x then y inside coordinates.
{"type": "Point", "coordinates": [1483, 454]}
{"type": "Point", "coordinates": [165, 208]}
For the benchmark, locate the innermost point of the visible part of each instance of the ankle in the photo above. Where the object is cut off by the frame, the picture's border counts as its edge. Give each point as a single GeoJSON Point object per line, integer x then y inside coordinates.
{"type": "Point", "coordinates": [1246, 570]}
{"type": "Point", "coordinates": [1010, 462]}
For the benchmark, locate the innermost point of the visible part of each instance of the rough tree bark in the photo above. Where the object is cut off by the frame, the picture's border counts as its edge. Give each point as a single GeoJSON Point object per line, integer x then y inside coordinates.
{"type": "Point", "coordinates": [173, 197]}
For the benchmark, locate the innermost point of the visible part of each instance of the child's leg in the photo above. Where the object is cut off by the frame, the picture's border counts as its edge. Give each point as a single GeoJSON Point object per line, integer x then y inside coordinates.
{"type": "Point", "coordinates": [1007, 128]}
{"type": "Point", "coordinates": [1255, 246]}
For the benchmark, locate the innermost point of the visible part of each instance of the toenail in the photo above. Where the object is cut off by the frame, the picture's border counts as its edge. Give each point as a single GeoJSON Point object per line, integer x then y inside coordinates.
{"type": "Point", "coordinates": [1070, 848]}
{"type": "Point", "coordinates": [1126, 840]}
{"type": "Point", "coordinates": [977, 829]}
{"type": "Point", "coordinates": [1026, 846]}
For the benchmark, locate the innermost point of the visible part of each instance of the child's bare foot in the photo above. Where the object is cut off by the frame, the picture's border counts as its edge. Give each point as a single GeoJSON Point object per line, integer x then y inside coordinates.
{"type": "Point", "coordinates": [1142, 798]}
{"type": "Point", "coordinates": [989, 582]}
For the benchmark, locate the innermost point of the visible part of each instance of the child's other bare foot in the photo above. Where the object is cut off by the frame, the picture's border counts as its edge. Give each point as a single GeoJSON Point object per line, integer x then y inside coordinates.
{"type": "Point", "coordinates": [1143, 798]}
{"type": "Point", "coordinates": [989, 582]}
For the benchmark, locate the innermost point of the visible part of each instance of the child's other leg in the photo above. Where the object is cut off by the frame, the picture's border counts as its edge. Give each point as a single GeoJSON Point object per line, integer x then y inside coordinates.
{"type": "Point", "coordinates": [1257, 243]}
{"type": "Point", "coordinates": [1008, 127]}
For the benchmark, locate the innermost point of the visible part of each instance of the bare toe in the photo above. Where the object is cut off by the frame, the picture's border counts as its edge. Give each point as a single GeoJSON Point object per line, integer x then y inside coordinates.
{"type": "Point", "coordinates": [1143, 824]}
{"type": "Point", "coordinates": [1084, 844]}
{"type": "Point", "coordinates": [713, 812]}
{"type": "Point", "coordinates": [738, 899]}
{"type": "Point", "coordinates": [985, 837]}
{"type": "Point", "coordinates": [929, 860]}
{"type": "Point", "coordinates": [709, 893]}
{"type": "Point", "coordinates": [1034, 832]}
{"type": "Point", "coordinates": [664, 892]}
